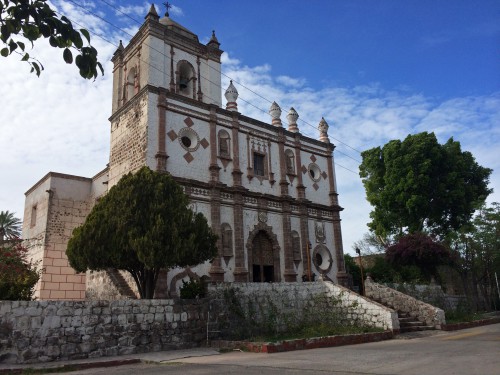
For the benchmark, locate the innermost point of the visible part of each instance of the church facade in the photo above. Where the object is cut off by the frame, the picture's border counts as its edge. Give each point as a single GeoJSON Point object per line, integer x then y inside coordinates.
{"type": "Point", "coordinates": [268, 191]}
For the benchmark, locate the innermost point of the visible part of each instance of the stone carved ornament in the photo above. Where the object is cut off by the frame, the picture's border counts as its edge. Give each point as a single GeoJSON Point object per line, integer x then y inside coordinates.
{"type": "Point", "coordinates": [319, 231]}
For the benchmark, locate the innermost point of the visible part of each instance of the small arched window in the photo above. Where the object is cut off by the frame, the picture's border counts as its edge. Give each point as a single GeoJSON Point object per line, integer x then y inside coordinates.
{"type": "Point", "coordinates": [224, 144]}
{"type": "Point", "coordinates": [290, 161]}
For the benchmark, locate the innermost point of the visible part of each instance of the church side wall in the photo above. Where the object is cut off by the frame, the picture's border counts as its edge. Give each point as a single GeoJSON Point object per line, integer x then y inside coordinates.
{"type": "Point", "coordinates": [68, 208]}
{"type": "Point", "coordinates": [36, 208]}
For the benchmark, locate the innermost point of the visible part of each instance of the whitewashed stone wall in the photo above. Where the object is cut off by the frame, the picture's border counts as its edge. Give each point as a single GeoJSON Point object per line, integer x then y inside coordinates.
{"type": "Point", "coordinates": [292, 300]}
{"type": "Point", "coordinates": [43, 331]}
{"type": "Point", "coordinates": [424, 312]}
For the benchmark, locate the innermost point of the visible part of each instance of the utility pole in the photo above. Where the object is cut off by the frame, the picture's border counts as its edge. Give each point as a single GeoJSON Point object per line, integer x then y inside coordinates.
{"type": "Point", "coordinates": [362, 292]}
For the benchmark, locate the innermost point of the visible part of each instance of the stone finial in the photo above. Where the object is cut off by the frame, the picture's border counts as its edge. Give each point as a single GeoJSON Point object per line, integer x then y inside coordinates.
{"type": "Point", "coordinates": [292, 120]}
{"type": "Point", "coordinates": [119, 50]}
{"type": "Point", "coordinates": [152, 14]}
{"type": "Point", "coordinates": [323, 130]}
{"type": "Point", "coordinates": [231, 95]}
{"type": "Point", "coordinates": [213, 42]}
{"type": "Point", "coordinates": [275, 112]}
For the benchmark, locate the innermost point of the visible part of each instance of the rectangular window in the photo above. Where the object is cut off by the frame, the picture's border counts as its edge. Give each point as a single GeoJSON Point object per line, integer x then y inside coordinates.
{"type": "Point", "coordinates": [258, 164]}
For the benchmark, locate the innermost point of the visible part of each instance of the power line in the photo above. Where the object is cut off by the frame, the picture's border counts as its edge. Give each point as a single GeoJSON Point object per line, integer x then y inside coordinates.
{"type": "Point", "coordinates": [235, 81]}
{"type": "Point", "coordinates": [164, 72]}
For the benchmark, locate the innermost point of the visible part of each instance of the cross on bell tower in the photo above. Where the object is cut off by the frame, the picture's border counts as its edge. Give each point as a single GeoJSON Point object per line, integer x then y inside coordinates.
{"type": "Point", "coordinates": [167, 6]}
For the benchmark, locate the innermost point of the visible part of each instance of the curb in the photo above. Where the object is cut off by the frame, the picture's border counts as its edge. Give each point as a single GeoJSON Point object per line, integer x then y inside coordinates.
{"type": "Point", "coordinates": [70, 366]}
{"type": "Point", "coordinates": [303, 344]}
{"type": "Point", "coordinates": [477, 323]}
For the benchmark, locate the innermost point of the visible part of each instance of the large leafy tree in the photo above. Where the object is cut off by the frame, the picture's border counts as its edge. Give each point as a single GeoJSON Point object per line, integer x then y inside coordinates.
{"type": "Point", "coordinates": [10, 226]}
{"type": "Point", "coordinates": [142, 225]}
{"type": "Point", "coordinates": [420, 185]}
{"type": "Point", "coordinates": [26, 21]}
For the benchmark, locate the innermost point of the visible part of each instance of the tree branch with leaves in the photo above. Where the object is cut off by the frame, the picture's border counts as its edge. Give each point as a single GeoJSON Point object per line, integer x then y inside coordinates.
{"type": "Point", "coordinates": [24, 21]}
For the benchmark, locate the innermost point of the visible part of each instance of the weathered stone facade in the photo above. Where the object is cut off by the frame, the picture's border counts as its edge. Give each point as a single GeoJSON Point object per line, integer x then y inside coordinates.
{"type": "Point", "coordinates": [428, 314]}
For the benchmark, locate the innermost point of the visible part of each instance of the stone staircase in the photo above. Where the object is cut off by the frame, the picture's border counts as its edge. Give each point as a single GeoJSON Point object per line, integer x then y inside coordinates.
{"type": "Point", "coordinates": [120, 283]}
{"type": "Point", "coordinates": [410, 324]}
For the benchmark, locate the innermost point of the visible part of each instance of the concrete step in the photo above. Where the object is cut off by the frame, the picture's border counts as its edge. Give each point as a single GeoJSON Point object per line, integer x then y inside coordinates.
{"type": "Point", "coordinates": [416, 329]}
{"type": "Point", "coordinates": [414, 323]}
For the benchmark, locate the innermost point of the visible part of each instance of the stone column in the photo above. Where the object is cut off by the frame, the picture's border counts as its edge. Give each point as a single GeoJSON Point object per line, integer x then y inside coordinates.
{"type": "Point", "coordinates": [342, 278]}
{"type": "Point", "coordinates": [216, 271]}
{"type": "Point", "coordinates": [214, 167]}
{"type": "Point", "coordinates": [304, 234]}
{"type": "Point", "coordinates": [301, 189]}
{"type": "Point", "coordinates": [161, 154]}
{"type": "Point", "coordinates": [236, 150]}
{"type": "Point", "coordinates": [290, 274]}
{"type": "Point", "coordinates": [240, 271]}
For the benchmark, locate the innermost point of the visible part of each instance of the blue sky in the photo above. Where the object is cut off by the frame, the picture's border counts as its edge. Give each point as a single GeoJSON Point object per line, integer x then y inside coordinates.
{"type": "Point", "coordinates": [375, 69]}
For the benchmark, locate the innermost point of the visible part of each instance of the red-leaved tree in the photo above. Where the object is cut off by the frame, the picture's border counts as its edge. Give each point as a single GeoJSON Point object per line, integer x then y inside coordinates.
{"type": "Point", "coordinates": [420, 250]}
{"type": "Point", "coordinates": [18, 275]}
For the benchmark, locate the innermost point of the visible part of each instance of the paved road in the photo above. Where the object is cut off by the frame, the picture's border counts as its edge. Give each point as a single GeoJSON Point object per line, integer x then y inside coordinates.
{"type": "Point", "coordinates": [466, 352]}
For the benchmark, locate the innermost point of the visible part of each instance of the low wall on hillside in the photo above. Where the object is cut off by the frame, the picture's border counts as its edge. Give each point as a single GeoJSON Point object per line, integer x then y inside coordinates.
{"type": "Point", "coordinates": [239, 309]}
{"type": "Point", "coordinates": [42, 331]}
{"type": "Point", "coordinates": [424, 312]}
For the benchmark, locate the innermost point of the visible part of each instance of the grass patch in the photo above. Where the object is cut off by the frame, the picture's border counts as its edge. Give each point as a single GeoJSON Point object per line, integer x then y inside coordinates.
{"type": "Point", "coordinates": [458, 316]}
{"type": "Point", "coordinates": [317, 330]}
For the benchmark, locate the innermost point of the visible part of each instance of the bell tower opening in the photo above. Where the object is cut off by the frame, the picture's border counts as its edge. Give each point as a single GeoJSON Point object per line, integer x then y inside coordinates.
{"type": "Point", "coordinates": [186, 79]}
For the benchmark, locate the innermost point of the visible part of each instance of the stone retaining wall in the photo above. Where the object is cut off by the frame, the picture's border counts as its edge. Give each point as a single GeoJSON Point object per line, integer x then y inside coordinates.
{"type": "Point", "coordinates": [42, 331]}
{"type": "Point", "coordinates": [424, 312]}
{"type": "Point", "coordinates": [282, 306]}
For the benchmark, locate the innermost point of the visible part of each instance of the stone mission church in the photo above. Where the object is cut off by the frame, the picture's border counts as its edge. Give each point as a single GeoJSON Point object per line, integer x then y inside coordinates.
{"type": "Point", "coordinates": [268, 191]}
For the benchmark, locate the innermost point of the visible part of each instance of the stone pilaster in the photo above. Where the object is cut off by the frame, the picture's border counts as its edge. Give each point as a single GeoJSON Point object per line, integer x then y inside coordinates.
{"type": "Point", "coordinates": [339, 251]}
{"type": "Point", "coordinates": [161, 154]}
{"type": "Point", "coordinates": [216, 271]}
{"type": "Point", "coordinates": [236, 147]}
{"type": "Point", "coordinates": [304, 234]}
{"type": "Point", "coordinates": [214, 167]}
{"type": "Point", "coordinates": [240, 271]}
{"type": "Point", "coordinates": [301, 189]}
{"type": "Point", "coordinates": [290, 274]}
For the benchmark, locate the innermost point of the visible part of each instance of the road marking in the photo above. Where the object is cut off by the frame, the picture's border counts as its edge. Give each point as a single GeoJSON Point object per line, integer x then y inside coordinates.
{"type": "Point", "coordinates": [463, 335]}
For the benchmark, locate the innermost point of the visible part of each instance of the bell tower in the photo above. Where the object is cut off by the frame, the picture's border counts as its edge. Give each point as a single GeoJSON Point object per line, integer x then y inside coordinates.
{"type": "Point", "coordinates": [164, 59]}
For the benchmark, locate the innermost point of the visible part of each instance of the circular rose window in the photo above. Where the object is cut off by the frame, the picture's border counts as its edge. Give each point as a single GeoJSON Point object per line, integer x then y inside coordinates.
{"type": "Point", "coordinates": [314, 171]}
{"type": "Point", "coordinates": [189, 139]}
{"type": "Point", "coordinates": [322, 259]}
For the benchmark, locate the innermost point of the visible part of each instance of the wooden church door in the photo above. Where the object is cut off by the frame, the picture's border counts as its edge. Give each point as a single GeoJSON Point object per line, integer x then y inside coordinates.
{"type": "Point", "coordinates": [263, 260]}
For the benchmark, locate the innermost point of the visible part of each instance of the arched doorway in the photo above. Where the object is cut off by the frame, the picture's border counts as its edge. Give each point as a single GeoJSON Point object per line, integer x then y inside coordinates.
{"type": "Point", "coordinates": [262, 259]}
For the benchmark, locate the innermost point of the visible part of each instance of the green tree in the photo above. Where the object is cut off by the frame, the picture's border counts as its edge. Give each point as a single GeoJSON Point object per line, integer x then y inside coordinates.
{"type": "Point", "coordinates": [420, 185]}
{"type": "Point", "coordinates": [10, 226]}
{"type": "Point", "coordinates": [476, 248]}
{"type": "Point", "coordinates": [18, 276]}
{"type": "Point", "coordinates": [142, 225]}
{"type": "Point", "coordinates": [24, 21]}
